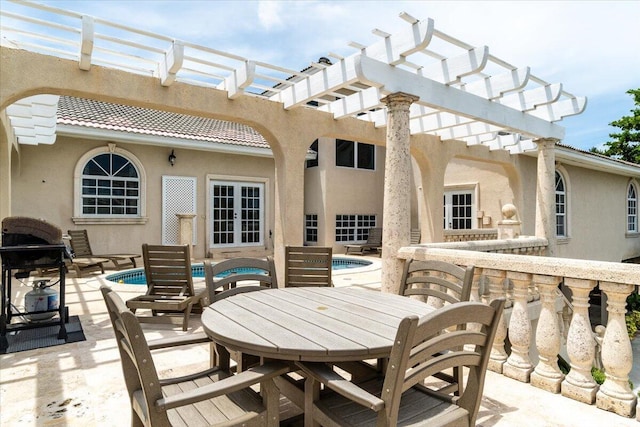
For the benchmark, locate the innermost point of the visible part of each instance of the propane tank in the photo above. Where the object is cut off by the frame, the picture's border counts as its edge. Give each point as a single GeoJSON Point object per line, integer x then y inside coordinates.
{"type": "Point", "coordinates": [42, 297]}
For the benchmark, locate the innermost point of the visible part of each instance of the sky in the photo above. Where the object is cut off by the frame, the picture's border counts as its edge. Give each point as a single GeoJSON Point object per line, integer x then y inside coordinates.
{"type": "Point", "coordinates": [591, 47]}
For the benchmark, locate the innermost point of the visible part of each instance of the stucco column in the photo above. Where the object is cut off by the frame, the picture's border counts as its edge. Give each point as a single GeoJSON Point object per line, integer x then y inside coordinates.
{"type": "Point", "coordinates": [289, 202]}
{"type": "Point", "coordinates": [185, 236]}
{"type": "Point", "coordinates": [546, 193]}
{"type": "Point", "coordinates": [5, 172]}
{"type": "Point", "coordinates": [396, 223]}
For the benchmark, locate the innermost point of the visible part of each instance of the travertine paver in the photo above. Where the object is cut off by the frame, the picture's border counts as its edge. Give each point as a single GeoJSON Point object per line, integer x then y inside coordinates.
{"type": "Point", "coordinates": [81, 384]}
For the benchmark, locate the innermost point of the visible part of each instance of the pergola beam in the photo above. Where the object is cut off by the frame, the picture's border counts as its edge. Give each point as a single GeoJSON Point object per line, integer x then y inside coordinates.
{"type": "Point", "coordinates": [437, 95]}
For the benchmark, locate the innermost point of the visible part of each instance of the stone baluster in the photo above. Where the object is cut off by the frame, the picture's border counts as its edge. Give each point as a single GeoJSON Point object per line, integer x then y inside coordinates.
{"type": "Point", "coordinates": [518, 364]}
{"type": "Point", "coordinates": [547, 375]}
{"type": "Point", "coordinates": [617, 358]}
{"type": "Point", "coordinates": [498, 357]}
{"type": "Point", "coordinates": [579, 384]}
{"type": "Point", "coordinates": [477, 288]}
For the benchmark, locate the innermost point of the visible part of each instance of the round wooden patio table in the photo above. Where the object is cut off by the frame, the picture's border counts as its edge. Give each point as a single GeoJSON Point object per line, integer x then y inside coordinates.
{"type": "Point", "coordinates": [311, 324]}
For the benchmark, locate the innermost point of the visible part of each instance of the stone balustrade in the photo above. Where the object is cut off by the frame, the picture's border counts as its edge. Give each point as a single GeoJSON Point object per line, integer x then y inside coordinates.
{"type": "Point", "coordinates": [470, 235]}
{"type": "Point", "coordinates": [523, 245]}
{"type": "Point", "coordinates": [534, 327]}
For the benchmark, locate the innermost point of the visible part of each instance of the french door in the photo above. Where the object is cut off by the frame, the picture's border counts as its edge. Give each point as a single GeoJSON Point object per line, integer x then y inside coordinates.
{"type": "Point", "coordinates": [236, 213]}
{"type": "Point", "coordinates": [458, 210]}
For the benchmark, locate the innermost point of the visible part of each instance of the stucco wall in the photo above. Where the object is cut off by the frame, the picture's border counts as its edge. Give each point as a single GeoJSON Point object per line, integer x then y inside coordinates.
{"type": "Point", "coordinates": [43, 188]}
{"type": "Point", "coordinates": [493, 187]}
{"type": "Point", "coordinates": [597, 217]}
{"type": "Point", "coordinates": [331, 191]}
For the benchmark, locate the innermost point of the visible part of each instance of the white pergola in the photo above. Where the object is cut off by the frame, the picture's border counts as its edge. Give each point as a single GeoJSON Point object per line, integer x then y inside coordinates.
{"type": "Point", "coordinates": [464, 92]}
{"type": "Point", "coordinates": [419, 81]}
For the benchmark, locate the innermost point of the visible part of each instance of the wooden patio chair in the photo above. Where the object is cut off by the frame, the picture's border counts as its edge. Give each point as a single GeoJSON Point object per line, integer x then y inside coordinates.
{"type": "Point", "coordinates": [211, 397]}
{"type": "Point", "coordinates": [82, 249]}
{"type": "Point", "coordinates": [399, 398]}
{"type": "Point", "coordinates": [373, 243]}
{"type": "Point", "coordinates": [438, 283]}
{"type": "Point", "coordinates": [444, 282]}
{"type": "Point", "coordinates": [307, 266]}
{"type": "Point", "coordinates": [170, 294]}
{"type": "Point", "coordinates": [238, 275]}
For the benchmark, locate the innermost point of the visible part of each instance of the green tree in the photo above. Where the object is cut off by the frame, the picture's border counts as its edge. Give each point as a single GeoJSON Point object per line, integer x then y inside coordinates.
{"type": "Point", "coordinates": [626, 143]}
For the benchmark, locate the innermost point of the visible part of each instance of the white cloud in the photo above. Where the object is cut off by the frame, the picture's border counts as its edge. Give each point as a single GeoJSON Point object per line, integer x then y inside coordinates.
{"type": "Point", "coordinates": [269, 14]}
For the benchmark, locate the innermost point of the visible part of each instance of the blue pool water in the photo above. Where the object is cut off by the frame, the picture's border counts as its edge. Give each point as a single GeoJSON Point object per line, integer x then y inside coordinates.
{"type": "Point", "coordinates": [136, 276]}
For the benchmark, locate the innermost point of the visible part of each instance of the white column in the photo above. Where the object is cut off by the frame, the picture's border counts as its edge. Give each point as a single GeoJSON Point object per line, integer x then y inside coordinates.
{"type": "Point", "coordinates": [546, 193]}
{"type": "Point", "coordinates": [396, 223]}
{"type": "Point", "coordinates": [617, 357]}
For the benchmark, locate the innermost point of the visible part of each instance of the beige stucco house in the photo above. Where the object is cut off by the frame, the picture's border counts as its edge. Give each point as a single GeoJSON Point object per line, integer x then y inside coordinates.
{"type": "Point", "coordinates": [408, 134]}
{"type": "Point", "coordinates": [404, 141]}
{"type": "Point", "coordinates": [224, 172]}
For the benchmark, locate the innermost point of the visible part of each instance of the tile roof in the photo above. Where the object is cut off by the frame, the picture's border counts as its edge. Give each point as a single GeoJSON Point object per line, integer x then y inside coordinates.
{"type": "Point", "coordinates": [126, 118]}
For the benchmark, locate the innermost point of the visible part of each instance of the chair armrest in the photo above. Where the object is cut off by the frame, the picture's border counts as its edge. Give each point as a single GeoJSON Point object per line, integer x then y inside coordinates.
{"type": "Point", "coordinates": [228, 385]}
{"type": "Point", "coordinates": [330, 378]}
{"type": "Point", "coordinates": [199, 338]}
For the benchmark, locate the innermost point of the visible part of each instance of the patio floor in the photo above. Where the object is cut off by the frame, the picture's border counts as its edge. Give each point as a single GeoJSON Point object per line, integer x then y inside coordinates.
{"type": "Point", "coordinates": [80, 384]}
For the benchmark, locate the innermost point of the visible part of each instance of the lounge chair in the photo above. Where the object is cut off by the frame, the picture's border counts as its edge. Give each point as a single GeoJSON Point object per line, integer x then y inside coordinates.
{"type": "Point", "coordinates": [398, 397]}
{"type": "Point", "coordinates": [212, 397]}
{"type": "Point", "coordinates": [170, 292]}
{"type": "Point", "coordinates": [82, 249]}
{"type": "Point", "coordinates": [373, 243]}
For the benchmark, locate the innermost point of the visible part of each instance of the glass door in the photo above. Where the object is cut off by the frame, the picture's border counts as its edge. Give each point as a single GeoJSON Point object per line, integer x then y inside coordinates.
{"type": "Point", "coordinates": [237, 214]}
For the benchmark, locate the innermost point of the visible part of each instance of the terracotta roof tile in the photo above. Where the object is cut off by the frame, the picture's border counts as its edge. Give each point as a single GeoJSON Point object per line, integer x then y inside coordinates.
{"type": "Point", "coordinates": [125, 118]}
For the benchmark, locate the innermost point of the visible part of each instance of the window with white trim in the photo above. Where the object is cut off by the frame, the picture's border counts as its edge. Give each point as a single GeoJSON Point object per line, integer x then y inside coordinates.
{"type": "Point", "coordinates": [561, 206]}
{"type": "Point", "coordinates": [632, 209]}
{"type": "Point", "coordinates": [110, 187]}
{"type": "Point", "coordinates": [458, 210]}
{"type": "Point", "coordinates": [311, 229]}
{"type": "Point", "coordinates": [354, 228]}
{"type": "Point", "coordinates": [356, 155]}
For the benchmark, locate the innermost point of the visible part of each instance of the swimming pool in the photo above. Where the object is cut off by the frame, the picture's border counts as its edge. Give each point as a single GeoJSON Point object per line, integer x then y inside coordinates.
{"type": "Point", "coordinates": [136, 276]}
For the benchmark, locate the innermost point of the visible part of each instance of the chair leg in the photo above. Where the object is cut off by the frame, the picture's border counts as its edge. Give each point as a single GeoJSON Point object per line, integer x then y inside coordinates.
{"type": "Point", "coordinates": [187, 314]}
{"type": "Point", "coordinates": [271, 398]}
{"type": "Point", "coordinates": [311, 394]}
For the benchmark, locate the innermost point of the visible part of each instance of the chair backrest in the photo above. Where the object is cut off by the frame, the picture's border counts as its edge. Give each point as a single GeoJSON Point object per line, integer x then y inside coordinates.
{"type": "Point", "coordinates": [446, 282]}
{"type": "Point", "coordinates": [80, 243]}
{"type": "Point", "coordinates": [375, 236]}
{"type": "Point", "coordinates": [168, 270]}
{"type": "Point", "coordinates": [233, 271]}
{"type": "Point", "coordinates": [307, 266]}
{"type": "Point", "coordinates": [421, 350]}
{"type": "Point", "coordinates": [138, 368]}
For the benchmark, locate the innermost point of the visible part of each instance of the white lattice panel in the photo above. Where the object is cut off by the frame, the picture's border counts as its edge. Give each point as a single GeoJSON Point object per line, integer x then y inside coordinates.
{"type": "Point", "coordinates": [178, 196]}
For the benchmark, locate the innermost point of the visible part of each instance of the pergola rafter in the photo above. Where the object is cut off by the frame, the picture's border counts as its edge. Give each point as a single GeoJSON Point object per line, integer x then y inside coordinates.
{"type": "Point", "coordinates": [459, 98]}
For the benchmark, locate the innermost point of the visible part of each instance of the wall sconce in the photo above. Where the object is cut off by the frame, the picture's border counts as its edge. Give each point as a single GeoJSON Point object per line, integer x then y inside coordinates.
{"type": "Point", "coordinates": [172, 158]}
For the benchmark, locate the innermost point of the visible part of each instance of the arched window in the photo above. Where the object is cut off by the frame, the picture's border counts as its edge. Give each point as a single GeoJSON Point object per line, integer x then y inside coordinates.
{"type": "Point", "coordinates": [561, 206]}
{"type": "Point", "coordinates": [632, 209]}
{"type": "Point", "coordinates": [109, 185]}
